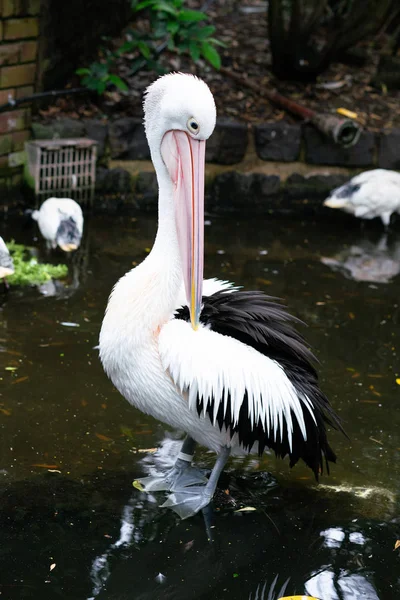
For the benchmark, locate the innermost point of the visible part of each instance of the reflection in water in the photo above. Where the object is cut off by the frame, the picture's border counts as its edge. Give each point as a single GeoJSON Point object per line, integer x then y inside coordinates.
{"type": "Point", "coordinates": [137, 515]}
{"type": "Point", "coordinates": [71, 446]}
{"type": "Point", "coordinates": [262, 591]}
{"type": "Point", "coordinates": [339, 583]}
{"type": "Point", "coordinates": [368, 261]}
{"type": "Point", "coordinates": [77, 262]}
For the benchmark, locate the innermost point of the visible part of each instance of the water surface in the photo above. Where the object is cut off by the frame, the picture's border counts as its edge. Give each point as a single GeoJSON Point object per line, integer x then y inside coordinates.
{"type": "Point", "coordinates": [71, 524]}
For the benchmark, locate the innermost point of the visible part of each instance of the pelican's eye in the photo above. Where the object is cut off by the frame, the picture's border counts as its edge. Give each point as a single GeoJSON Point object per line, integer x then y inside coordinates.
{"type": "Point", "coordinates": [193, 126]}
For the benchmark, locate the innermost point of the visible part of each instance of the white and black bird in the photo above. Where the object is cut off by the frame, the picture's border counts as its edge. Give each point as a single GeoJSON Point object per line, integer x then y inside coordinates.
{"type": "Point", "coordinates": [60, 221]}
{"type": "Point", "coordinates": [371, 194]}
{"type": "Point", "coordinates": [6, 263]}
{"type": "Point", "coordinates": [225, 366]}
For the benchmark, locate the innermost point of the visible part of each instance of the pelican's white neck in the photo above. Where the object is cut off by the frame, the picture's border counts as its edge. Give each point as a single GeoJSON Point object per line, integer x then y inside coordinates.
{"type": "Point", "coordinates": [165, 246]}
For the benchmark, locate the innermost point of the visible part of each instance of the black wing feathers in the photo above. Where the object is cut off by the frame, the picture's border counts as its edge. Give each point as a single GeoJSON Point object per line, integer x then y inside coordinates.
{"type": "Point", "coordinates": [258, 321]}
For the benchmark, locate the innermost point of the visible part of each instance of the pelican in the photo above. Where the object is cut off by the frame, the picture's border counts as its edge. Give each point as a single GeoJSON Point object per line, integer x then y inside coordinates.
{"type": "Point", "coordinates": [60, 221]}
{"type": "Point", "coordinates": [6, 263]}
{"type": "Point", "coordinates": [221, 364]}
{"type": "Point", "coordinates": [371, 194]}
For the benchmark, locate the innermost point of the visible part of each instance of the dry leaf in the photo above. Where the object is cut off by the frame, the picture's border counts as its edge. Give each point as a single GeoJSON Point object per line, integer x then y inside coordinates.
{"type": "Point", "coordinates": [148, 450]}
{"type": "Point", "coordinates": [347, 113]}
{"type": "Point", "coordinates": [246, 509]}
{"type": "Point", "coordinates": [44, 466]}
{"type": "Point", "coordinates": [397, 545]}
{"type": "Point", "coordinates": [398, 381]}
{"type": "Point", "coordinates": [52, 566]}
{"type": "Point", "coordinates": [20, 379]}
{"type": "Point", "coordinates": [103, 438]}
{"type": "Point", "coordinates": [376, 441]}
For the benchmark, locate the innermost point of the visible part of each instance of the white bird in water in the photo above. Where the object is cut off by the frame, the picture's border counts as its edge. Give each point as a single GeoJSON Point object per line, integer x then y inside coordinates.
{"type": "Point", "coordinates": [225, 365]}
{"type": "Point", "coordinates": [60, 221]}
{"type": "Point", "coordinates": [6, 263]}
{"type": "Point", "coordinates": [371, 194]}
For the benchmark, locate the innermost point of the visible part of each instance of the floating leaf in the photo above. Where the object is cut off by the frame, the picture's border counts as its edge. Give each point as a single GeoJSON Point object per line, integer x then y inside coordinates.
{"type": "Point", "coordinates": [20, 379]}
{"type": "Point", "coordinates": [103, 438]}
{"type": "Point", "coordinates": [52, 566]}
{"type": "Point", "coordinates": [376, 441]}
{"type": "Point", "coordinates": [235, 575]}
{"type": "Point", "coordinates": [298, 598]}
{"type": "Point", "coordinates": [397, 545]}
{"type": "Point", "coordinates": [246, 509]}
{"type": "Point", "coordinates": [44, 466]}
{"type": "Point", "coordinates": [126, 431]}
{"type": "Point", "coordinates": [398, 380]}
{"type": "Point", "coordinates": [136, 484]}
{"type": "Point", "coordinates": [11, 368]}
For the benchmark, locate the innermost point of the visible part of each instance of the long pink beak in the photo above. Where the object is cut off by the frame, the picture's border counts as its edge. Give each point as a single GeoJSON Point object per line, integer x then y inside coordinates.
{"type": "Point", "coordinates": [184, 158]}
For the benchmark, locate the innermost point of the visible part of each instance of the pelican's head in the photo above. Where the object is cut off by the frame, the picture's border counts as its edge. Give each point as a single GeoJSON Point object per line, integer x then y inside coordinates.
{"type": "Point", "coordinates": [179, 117]}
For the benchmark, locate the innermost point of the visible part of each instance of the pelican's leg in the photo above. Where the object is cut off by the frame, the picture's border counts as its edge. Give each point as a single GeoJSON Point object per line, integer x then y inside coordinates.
{"type": "Point", "coordinates": [181, 475]}
{"type": "Point", "coordinates": [188, 501]}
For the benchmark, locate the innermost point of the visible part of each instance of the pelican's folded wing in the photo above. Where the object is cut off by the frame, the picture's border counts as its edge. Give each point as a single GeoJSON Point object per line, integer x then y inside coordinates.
{"type": "Point", "coordinates": [246, 391]}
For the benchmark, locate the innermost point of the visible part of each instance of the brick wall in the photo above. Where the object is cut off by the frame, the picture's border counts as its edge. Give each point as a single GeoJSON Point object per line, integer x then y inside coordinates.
{"type": "Point", "coordinates": [19, 30]}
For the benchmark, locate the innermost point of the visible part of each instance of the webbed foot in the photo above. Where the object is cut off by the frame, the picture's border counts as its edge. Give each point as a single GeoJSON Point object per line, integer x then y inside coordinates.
{"type": "Point", "coordinates": [174, 479]}
{"type": "Point", "coordinates": [188, 501]}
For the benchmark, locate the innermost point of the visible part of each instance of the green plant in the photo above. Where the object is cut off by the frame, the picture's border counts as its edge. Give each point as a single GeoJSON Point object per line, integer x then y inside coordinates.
{"type": "Point", "coordinates": [28, 271]}
{"type": "Point", "coordinates": [184, 29]}
{"type": "Point", "coordinates": [98, 77]}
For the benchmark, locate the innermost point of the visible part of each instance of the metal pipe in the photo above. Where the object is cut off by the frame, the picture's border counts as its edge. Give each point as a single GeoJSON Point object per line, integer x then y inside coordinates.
{"type": "Point", "coordinates": [12, 103]}
{"type": "Point", "coordinates": [344, 132]}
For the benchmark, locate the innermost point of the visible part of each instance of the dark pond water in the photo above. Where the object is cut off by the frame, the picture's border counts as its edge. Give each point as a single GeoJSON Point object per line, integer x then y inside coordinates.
{"type": "Point", "coordinates": [71, 524]}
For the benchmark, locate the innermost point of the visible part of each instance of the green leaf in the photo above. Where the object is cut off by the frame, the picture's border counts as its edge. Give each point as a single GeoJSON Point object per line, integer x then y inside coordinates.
{"type": "Point", "coordinates": [204, 32]}
{"type": "Point", "coordinates": [165, 7]}
{"type": "Point", "coordinates": [194, 51]}
{"type": "Point", "coordinates": [144, 49]}
{"type": "Point", "coordinates": [101, 87]}
{"type": "Point", "coordinates": [173, 27]}
{"type": "Point", "coordinates": [142, 5]}
{"type": "Point", "coordinates": [82, 71]}
{"type": "Point", "coordinates": [118, 82]}
{"type": "Point", "coordinates": [217, 42]}
{"type": "Point", "coordinates": [191, 16]}
{"type": "Point", "coordinates": [211, 54]}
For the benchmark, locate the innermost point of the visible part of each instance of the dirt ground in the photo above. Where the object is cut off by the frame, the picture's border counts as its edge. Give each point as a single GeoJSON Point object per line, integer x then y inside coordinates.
{"type": "Point", "coordinates": [242, 25]}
